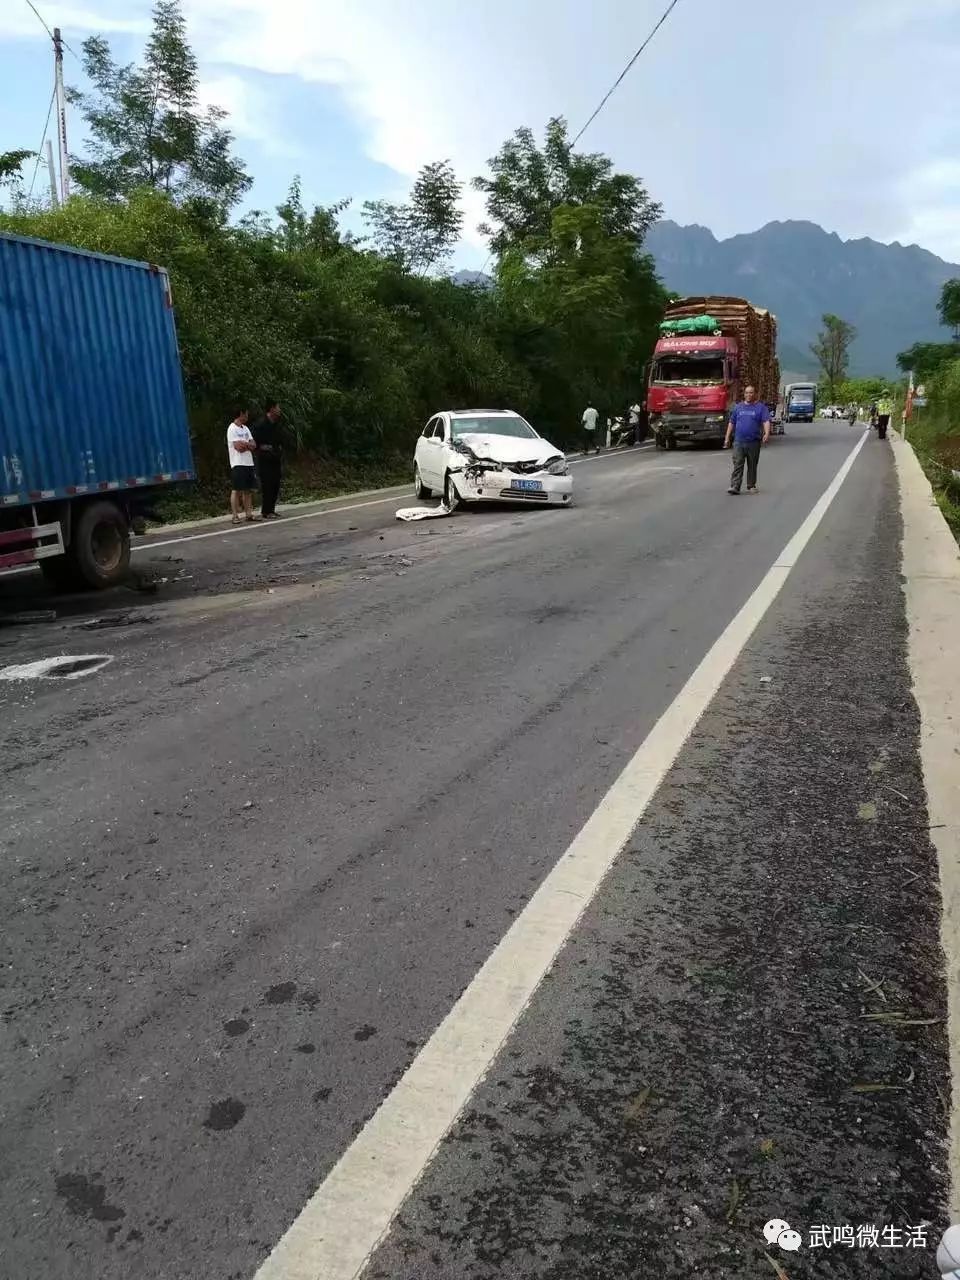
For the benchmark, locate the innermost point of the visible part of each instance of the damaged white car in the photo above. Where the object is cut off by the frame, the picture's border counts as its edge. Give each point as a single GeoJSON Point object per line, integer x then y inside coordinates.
{"type": "Point", "coordinates": [488, 455]}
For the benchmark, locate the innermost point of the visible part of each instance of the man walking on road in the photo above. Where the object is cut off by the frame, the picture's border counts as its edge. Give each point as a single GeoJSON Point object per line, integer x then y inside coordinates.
{"type": "Point", "coordinates": [748, 429]}
{"type": "Point", "coordinates": [243, 474]}
{"type": "Point", "coordinates": [267, 436]}
{"type": "Point", "coordinates": [589, 425]}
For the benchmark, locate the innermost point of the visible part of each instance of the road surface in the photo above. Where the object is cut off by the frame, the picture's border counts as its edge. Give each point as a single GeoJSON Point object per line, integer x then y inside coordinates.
{"type": "Point", "coordinates": [251, 864]}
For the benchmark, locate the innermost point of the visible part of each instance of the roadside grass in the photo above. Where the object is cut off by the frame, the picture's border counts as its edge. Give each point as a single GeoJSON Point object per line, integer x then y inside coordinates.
{"type": "Point", "coordinates": [936, 442]}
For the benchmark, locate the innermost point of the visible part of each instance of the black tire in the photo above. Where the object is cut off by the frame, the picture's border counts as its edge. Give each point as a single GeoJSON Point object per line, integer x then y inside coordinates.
{"type": "Point", "coordinates": [659, 441]}
{"type": "Point", "coordinates": [451, 498]}
{"type": "Point", "coordinates": [671, 442]}
{"type": "Point", "coordinates": [420, 490]}
{"type": "Point", "coordinates": [100, 546]}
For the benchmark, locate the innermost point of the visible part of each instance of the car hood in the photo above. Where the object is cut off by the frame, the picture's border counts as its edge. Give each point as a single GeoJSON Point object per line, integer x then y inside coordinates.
{"type": "Point", "coordinates": [509, 449]}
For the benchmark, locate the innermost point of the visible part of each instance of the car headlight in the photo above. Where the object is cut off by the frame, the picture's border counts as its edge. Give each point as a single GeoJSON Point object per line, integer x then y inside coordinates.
{"type": "Point", "coordinates": [558, 467]}
{"type": "Point", "coordinates": [714, 417]}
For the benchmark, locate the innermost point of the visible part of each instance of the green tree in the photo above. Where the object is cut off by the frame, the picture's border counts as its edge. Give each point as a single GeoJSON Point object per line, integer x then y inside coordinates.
{"type": "Point", "coordinates": [528, 185]}
{"type": "Point", "coordinates": [925, 359]}
{"type": "Point", "coordinates": [420, 234]}
{"type": "Point", "coordinates": [11, 163]}
{"type": "Point", "coordinates": [949, 307]}
{"type": "Point", "coordinates": [145, 124]}
{"type": "Point", "coordinates": [832, 351]}
{"type": "Point", "coordinates": [861, 390]}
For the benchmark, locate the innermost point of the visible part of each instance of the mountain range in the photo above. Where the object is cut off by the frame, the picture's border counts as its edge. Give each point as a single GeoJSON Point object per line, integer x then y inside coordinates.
{"type": "Point", "coordinates": [889, 292]}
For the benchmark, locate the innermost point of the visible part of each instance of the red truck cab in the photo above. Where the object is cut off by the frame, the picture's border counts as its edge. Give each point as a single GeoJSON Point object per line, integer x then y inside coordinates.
{"type": "Point", "coordinates": [694, 383]}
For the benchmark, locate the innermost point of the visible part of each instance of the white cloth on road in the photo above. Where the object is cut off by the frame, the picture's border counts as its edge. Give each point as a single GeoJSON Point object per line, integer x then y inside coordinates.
{"type": "Point", "coordinates": [424, 513]}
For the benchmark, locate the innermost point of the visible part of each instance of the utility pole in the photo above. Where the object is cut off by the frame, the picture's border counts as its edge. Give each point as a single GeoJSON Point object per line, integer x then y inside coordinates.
{"type": "Point", "coordinates": [54, 199]}
{"type": "Point", "coordinates": [61, 117]}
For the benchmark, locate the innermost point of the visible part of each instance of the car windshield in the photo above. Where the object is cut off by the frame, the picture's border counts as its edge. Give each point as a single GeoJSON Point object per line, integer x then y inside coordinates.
{"type": "Point", "coordinates": [515, 427]}
{"type": "Point", "coordinates": [689, 371]}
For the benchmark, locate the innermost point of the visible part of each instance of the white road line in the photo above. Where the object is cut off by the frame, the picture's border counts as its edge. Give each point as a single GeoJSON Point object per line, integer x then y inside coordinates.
{"type": "Point", "coordinates": [306, 515]}
{"type": "Point", "coordinates": [347, 1217]}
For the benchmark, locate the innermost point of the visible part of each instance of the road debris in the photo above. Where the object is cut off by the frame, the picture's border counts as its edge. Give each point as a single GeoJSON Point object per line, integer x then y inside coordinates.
{"type": "Point", "coordinates": [65, 667]}
{"type": "Point", "coordinates": [28, 617]}
{"type": "Point", "coordinates": [424, 513]}
{"type": "Point", "coordinates": [115, 620]}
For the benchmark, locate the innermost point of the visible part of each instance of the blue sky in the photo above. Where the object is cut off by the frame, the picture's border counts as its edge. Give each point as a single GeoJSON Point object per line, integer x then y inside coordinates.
{"type": "Point", "coordinates": [845, 114]}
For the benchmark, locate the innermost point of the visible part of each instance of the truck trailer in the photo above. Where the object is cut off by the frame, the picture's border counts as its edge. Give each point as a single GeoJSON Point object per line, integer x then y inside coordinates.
{"type": "Point", "coordinates": [95, 419]}
{"type": "Point", "coordinates": [710, 349]}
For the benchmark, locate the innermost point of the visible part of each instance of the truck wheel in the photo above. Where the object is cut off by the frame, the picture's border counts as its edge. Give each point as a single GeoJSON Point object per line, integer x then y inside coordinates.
{"type": "Point", "coordinates": [100, 548]}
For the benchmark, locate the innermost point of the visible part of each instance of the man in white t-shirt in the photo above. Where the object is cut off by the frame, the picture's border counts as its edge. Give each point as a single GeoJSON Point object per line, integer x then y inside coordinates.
{"type": "Point", "coordinates": [589, 424]}
{"type": "Point", "coordinates": [243, 474]}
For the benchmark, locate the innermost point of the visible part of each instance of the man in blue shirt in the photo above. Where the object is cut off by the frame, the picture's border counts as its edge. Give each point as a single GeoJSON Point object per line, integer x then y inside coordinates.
{"type": "Point", "coordinates": [748, 429]}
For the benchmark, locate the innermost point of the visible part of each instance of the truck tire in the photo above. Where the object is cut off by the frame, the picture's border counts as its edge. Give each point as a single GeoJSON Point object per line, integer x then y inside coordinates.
{"type": "Point", "coordinates": [100, 547]}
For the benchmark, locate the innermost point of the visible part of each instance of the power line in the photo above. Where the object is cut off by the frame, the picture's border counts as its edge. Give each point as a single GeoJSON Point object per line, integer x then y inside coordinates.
{"type": "Point", "coordinates": [43, 24]}
{"type": "Point", "coordinates": [36, 167]}
{"type": "Point", "coordinates": [613, 88]}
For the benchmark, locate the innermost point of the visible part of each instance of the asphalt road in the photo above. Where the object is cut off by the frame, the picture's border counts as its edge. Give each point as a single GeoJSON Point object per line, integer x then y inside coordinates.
{"type": "Point", "coordinates": [249, 865]}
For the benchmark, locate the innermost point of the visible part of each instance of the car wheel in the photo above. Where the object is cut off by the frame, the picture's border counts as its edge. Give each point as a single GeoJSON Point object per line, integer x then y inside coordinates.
{"type": "Point", "coordinates": [671, 442]}
{"type": "Point", "coordinates": [420, 490]}
{"type": "Point", "coordinates": [451, 499]}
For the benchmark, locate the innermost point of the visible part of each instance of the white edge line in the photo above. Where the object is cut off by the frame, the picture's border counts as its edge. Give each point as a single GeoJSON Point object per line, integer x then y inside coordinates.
{"type": "Point", "coordinates": [306, 515]}
{"type": "Point", "coordinates": [342, 1224]}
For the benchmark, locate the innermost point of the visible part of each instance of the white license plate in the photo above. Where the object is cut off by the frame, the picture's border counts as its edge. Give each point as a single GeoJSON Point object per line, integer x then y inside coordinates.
{"type": "Point", "coordinates": [526, 484]}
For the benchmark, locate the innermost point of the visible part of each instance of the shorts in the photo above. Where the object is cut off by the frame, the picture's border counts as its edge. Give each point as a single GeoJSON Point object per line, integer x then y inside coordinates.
{"type": "Point", "coordinates": [243, 479]}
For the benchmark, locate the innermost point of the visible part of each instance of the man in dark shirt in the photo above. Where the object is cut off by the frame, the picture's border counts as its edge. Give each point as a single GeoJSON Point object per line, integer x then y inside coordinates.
{"type": "Point", "coordinates": [748, 428]}
{"type": "Point", "coordinates": [267, 435]}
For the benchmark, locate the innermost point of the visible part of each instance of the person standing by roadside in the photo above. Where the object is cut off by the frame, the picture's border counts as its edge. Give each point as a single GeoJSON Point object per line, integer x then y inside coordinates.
{"type": "Point", "coordinates": [243, 476]}
{"type": "Point", "coordinates": [748, 429]}
{"type": "Point", "coordinates": [589, 427]}
{"type": "Point", "coordinates": [267, 435]}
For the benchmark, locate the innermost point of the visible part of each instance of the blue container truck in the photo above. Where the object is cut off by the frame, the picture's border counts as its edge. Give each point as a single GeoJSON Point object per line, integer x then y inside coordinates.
{"type": "Point", "coordinates": [94, 419]}
{"type": "Point", "coordinates": [800, 402]}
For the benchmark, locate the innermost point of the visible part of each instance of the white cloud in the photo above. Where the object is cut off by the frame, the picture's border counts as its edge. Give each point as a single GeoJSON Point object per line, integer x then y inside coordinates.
{"type": "Point", "coordinates": [722, 123]}
{"type": "Point", "coordinates": [251, 112]}
{"type": "Point", "coordinates": [17, 21]}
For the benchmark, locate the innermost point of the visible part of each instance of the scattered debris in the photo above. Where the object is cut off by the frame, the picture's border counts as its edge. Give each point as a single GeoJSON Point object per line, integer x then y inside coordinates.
{"type": "Point", "coordinates": [66, 667]}
{"type": "Point", "coordinates": [735, 1200]}
{"type": "Point", "coordinates": [867, 811]}
{"type": "Point", "coordinates": [28, 617]}
{"type": "Point", "coordinates": [781, 1274]}
{"type": "Point", "coordinates": [873, 987]}
{"type": "Point", "coordinates": [115, 620]}
{"type": "Point", "coordinates": [766, 679]}
{"type": "Point", "coordinates": [636, 1105]}
{"type": "Point", "coordinates": [897, 1018]}
{"type": "Point", "coordinates": [897, 793]}
{"type": "Point", "coordinates": [248, 804]}
{"type": "Point", "coordinates": [424, 513]}
{"type": "Point", "coordinates": [877, 1087]}
{"type": "Point", "coordinates": [766, 1148]}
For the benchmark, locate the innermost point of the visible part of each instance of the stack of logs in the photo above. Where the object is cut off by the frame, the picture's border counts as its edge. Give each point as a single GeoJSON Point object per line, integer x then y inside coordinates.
{"type": "Point", "coordinates": [755, 330]}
